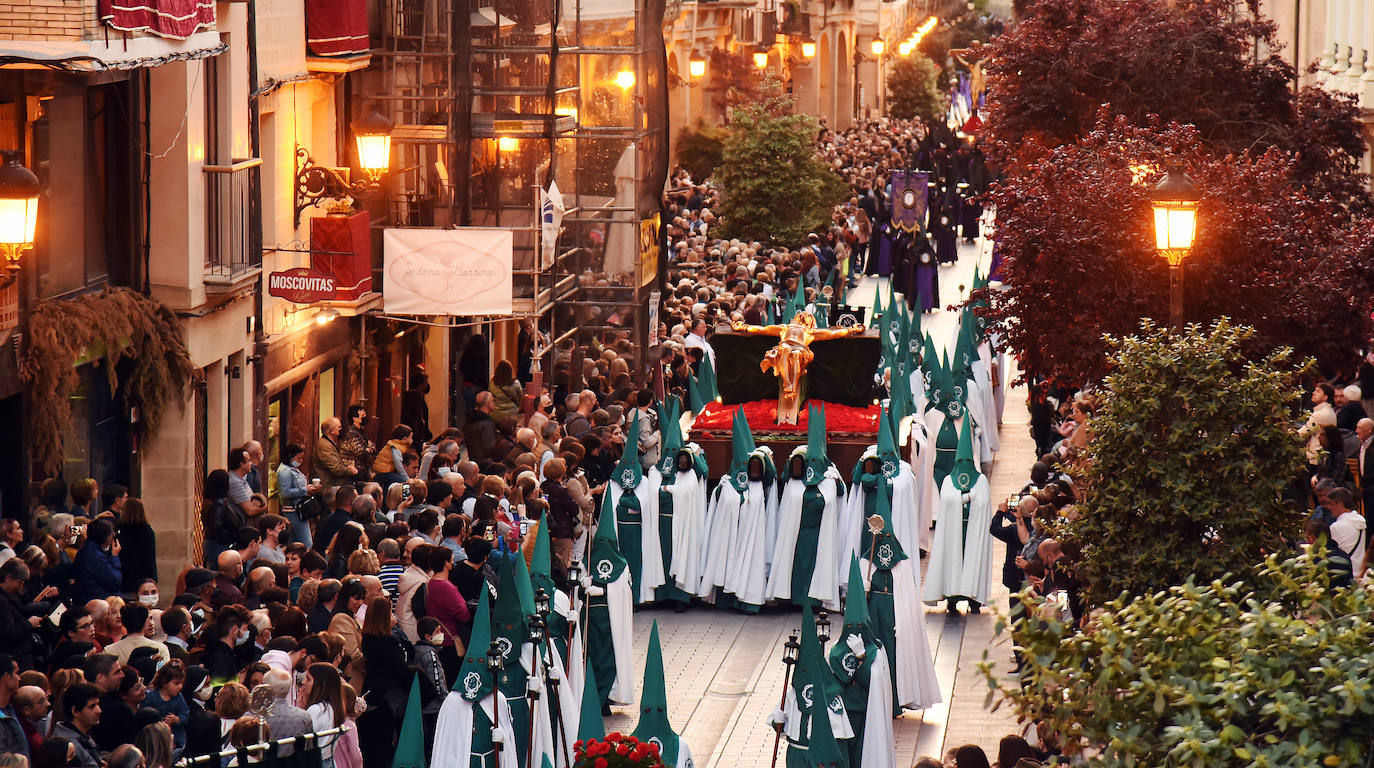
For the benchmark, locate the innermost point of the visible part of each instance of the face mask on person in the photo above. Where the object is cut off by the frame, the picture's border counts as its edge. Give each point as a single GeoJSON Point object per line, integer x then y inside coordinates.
{"type": "Point", "coordinates": [295, 462]}
{"type": "Point", "coordinates": [202, 693]}
{"type": "Point", "coordinates": [436, 639]}
{"type": "Point", "coordinates": [243, 638]}
{"type": "Point", "coordinates": [443, 471]}
{"type": "Point", "coordinates": [148, 600]}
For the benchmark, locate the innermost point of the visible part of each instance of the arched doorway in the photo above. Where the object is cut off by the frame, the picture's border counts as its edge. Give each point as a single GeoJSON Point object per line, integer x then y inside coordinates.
{"type": "Point", "coordinates": [824, 105]}
{"type": "Point", "coordinates": [844, 79]}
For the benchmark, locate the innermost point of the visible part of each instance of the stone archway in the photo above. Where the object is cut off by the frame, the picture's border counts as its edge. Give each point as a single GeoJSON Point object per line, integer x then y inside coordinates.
{"type": "Point", "coordinates": [824, 105]}
{"type": "Point", "coordinates": [844, 84]}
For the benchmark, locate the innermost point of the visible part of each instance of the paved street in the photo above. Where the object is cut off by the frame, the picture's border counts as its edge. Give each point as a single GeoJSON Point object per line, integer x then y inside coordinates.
{"type": "Point", "coordinates": [724, 669]}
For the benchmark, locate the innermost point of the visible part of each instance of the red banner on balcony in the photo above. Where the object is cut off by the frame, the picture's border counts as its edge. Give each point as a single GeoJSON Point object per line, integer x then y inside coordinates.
{"type": "Point", "coordinates": [177, 19]}
{"type": "Point", "coordinates": [336, 27]}
{"type": "Point", "coordinates": [342, 246]}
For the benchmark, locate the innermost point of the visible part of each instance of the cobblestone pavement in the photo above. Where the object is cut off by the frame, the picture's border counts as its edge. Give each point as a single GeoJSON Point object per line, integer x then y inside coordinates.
{"type": "Point", "coordinates": [724, 671]}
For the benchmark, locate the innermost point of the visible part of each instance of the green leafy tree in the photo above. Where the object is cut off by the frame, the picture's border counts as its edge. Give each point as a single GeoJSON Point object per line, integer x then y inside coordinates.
{"type": "Point", "coordinates": [1190, 451]}
{"type": "Point", "coordinates": [1270, 670]}
{"type": "Point", "coordinates": [913, 89]}
{"type": "Point", "coordinates": [774, 185]}
{"type": "Point", "coordinates": [699, 151]}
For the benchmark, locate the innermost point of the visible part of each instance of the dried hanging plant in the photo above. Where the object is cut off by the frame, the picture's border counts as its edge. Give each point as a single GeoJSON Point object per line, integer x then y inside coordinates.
{"type": "Point", "coordinates": [114, 324]}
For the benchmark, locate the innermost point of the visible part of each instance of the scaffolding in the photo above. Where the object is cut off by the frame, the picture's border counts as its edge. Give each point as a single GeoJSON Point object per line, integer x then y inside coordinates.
{"type": "Point", "coordinates": [494, 99]}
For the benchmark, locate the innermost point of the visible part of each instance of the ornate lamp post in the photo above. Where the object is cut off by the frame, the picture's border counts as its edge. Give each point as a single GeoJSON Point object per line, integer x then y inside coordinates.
{"type": "Point", "coordinates": [791, 652]}
{"type": "Point", "coordinates": [19, 190]}
{"type": "Point", "coordinates": [1175, 201]}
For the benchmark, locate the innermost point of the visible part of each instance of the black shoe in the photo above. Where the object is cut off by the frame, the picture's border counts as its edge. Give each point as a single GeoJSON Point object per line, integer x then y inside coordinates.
{"type": "Point", "coordinates": [679, 607]}
{"type": "Point", "coordinates": [951, 608]}
{"type": "Point", "coordinates": [975, 608]}
{"type": "Point", "coordinates": [605, 710]}
{"type": "Point", "coordinates": [924, 554]}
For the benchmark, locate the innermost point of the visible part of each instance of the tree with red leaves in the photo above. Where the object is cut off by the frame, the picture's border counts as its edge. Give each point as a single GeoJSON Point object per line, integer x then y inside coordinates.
{"type": "Point", "coordinates": [1192, 62]}
{"type": "Point", "coordinates": [1076, 234]}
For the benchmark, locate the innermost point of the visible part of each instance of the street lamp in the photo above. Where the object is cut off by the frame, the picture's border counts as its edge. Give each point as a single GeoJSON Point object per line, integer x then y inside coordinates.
{"type": "Point", "coordinates": [761, 57]}
{"type": "Point", "coordinates": [823, 626]}
{"type": "Point", "coordinates": [696, 65]}
{"type": "Point", "coordinates": [1175, 201]}
{"type": "Point", "coordinates": [808, 48]}
{"type": "Point", "coordinates": [625, 78]}
{"type": "Point", "coordinates": [877, 46]}
{"type": "Point", "coordinates": [372, 133]}
{"type": "Point", "coordinates": [18, 214]}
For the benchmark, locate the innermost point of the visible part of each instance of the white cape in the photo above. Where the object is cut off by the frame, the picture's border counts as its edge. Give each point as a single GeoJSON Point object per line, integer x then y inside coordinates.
{"type": "Point", "coordinates": [690, 533]}
{"type": "Point", "coordinates": [925, 496]}
{"type": "Point", "coordinates": [453, 731]}
{"type": "Point", "coordinates": [651, 552]}
{"type": "Point", "coordinates": [906, 519]}
{"type": "Point", "coordinates": [991, 416]}
{"type": "Point", "coordinates": [879, 750]}
{"type": "Point", "coordinates": [961, 565]}
{"type": "Point", "coordinates": [722, 521]}
{"type": "Point", "coordinates": [825, 584]}
{"type": "Point", "coordinates": [917, 686]}
{"type": "Point", "coordinates": [746, 572]}
{"type": "Point", "coordinates": [621, 608]}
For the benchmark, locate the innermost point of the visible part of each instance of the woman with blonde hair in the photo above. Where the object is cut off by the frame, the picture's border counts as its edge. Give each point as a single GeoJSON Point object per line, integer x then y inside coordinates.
{"type": "Point", "coordinates": [364, 562]}
{"type": "Point", "coordinates": [155, 742]}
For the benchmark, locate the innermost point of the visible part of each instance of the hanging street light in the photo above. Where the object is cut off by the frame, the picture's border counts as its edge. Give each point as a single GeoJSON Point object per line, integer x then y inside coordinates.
{"type": "Point", "coordinates": [877, 46]}
{"type": "Point", "coordinates": [372, 133]}
{"type": "Point", "coordinates": [1175, 202]}
{"type": "Point", "coordinates": [808, 48]}
{"type": "Point", "coordinates": [761, 58]}
{"type": "Point", "coordinates": [19, 190]}
{"type": "Point", "coordinates": [696, 65]}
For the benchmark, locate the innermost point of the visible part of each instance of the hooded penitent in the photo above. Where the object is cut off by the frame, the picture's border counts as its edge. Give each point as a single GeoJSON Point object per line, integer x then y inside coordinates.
{"type": "Point", "coordinates": [862, 666]}
{"type": "Point", "coordinates": [474, 707]}
{"type": "Point", "coordinates": [902, 491]}
{"type": "Point", "coordinates": [739, 521]}
{"type": "Point", "coordinates": [895, 614]}
{"type": "Point", "coordinates": [609, 615]}
{"type": "Point", "coordinates": [961, 560]}
{"type": "Point", "coordinates": [813, 706]}
{"type": "Point", "coordinates": [653, 726]}
{"type": "Point", "coordinates": [636, 518]}
{"type": "Point", "coordinates": [806, 550]}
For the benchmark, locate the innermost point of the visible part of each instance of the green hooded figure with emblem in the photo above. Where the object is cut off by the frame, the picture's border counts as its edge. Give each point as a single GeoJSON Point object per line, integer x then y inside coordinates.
{"type": "Point", "coordinates": [805, 549]}
{"type": "Point", "coordinates": [475, 707]}
{"type": "Point", "coordinates": [510, 632]}
{"type": "Point", "coordinates": [609, 609]}
{"type": "Point", "coordinates": [737, 518]}
{"type": "Point", "coordinates": [857, 660]}
{"type": "Point", "coordinates": [636, 518]}
{"type": "Point", "coordinates": [961, 561]}
{"type": "Point", "coordinates": [681, 492]}
{"type": "Point", "coordinates": [653, 726]}
{"type": "Point", "coordinates": [813, 713]}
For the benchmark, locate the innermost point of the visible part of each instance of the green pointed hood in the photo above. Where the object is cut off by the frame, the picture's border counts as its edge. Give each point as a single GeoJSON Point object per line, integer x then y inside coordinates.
{"type": "Point", "coordinates": [965, 472]}
{"type": "Point", "coordinates": [707, 380]}
{"type": "Point", "coordinates": [894, 312]}
{"type": "Point", "coordinates": [843, 661]}
{"type": "Point", "coordinates": [816, 691]}
{"type": "Point", "coordinates": [887, 447]}
{"type": "Point", "coordinates": [653, 726]}
{"type": "Point", "coordinates": [541, 562]}
{"type": "Point", "coordinates": [875, 320]}
{"type": "Point", "coordinates": [410, 748]}
{"type": "Point", "coordinates": [695, 400]}
{"type": "Point", "coordinates": [627, 471]}
{"type": "Point", "coordinates": [474, 681]}
{"type": "Point", "coordinates": [606, 563]}
{"type": "Point", "coordinates": [509, 628]}
{"type": "Point", "coordinates": [823, 750]}
{"type": "Point", "coordinates": [671, 442]}
{"type": "Point", "coordinates": [930, 372]}
{"type": "Point", "coordinates": [742, 444]}
{"type": "Point", "coordinates": [952, 389]}
{"type": "Point", "coordinates": [817, 461]}
{"type": "Point", "coordinates": [589, 724]}
{"type": "Point", "coordinates": [770, 315]}
{"type": "Point", "coordinates": [965, 347]}
{"type": "Point", "coordinates": [884, 548]}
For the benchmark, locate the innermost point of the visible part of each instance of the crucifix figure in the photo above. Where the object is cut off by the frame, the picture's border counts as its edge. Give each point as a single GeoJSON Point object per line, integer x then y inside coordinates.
{"type": "Point", "coordinates": [789, 359]}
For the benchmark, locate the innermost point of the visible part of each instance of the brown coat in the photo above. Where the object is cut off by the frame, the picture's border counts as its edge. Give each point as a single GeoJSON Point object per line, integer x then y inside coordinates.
{"type": "Point", "coordinates": [329, 463]}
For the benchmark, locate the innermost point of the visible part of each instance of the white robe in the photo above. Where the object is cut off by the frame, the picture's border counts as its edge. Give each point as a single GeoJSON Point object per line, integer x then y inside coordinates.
{"type": "Point", "coordinates": [960, 565]}
{"type": "Point", "coordinates": [879, 750]}
{"type": "Point", "coordinates": [690, 533]}
{"type": "Point", "coordinates": [746, 573]}
{"type": "Point", "coordinates": [825, 584]}
{"type": "Point", "coordinates": [791, 719]}
{"type": "Point", "coordinates": [925, 499]}
{"type": "Point", "coordinates": [621, 608]}
{"type": "Point", "coordinates": [992, 416]}
{"type": "Point", "coordinates": [651, 552]}
{"type": "Point", "coordinates": [543, 740]}
{"type": "Point", "coordinates": [549, 740]}
{"type": "Point", "coordinates": [917, 685]}
{"type": "Point", "coordinates": [722, 523]}
{"type": "Point", "coordinates": [453, 730]}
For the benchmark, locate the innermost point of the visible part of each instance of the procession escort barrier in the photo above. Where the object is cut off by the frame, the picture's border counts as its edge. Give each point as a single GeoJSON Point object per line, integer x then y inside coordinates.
{"type": "Point", "coordinates": [304, 751]}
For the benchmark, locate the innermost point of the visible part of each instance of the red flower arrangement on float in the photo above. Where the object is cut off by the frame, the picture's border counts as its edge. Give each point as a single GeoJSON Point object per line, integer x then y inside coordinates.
{"type": "Point", "coordinates": [616, 751]}
{"type": "Point", "coordinates": [762, 416]}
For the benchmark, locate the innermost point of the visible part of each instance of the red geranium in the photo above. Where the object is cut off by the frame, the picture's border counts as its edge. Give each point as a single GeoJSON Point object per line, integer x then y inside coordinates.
{"type": "Point", "coordinates": [619, 750]}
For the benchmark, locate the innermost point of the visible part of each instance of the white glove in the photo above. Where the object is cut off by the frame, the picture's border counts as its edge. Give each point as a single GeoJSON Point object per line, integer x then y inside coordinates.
{"type": "Point", "coordinates": [776, 718]}
{"type": "Point", "coordinates": [586, 581]}
{"type": "Point", "coordinates": [595, 590]}
{"type": "Point", "coordinates": [857, 646]}
{"type": "Point", "coordinates": [498, 736]}
{"type": "Point", "coordinates": [554, 674]}
{"type": "Point", "coordinates": [534, 684]}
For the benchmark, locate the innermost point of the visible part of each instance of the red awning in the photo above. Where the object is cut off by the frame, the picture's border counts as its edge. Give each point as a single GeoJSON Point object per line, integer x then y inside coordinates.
{"type": "Point", "coordinates": [336, 27]}
{"type": "Point", "coordinates": [177, 19]}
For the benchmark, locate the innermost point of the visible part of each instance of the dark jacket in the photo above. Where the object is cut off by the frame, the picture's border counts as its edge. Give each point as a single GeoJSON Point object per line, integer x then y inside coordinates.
{"type": "Point", "coordinates": [328, 527]}
{"type": "Point", "coordinates": [116, 723]}
{"type": "Point", "coordinates": [137, 554]}
{"type": "Point", "coordinates": [16, 637]}
{"type": "Point", "coordinates": [96, 574]}
{"type": "Point", "coordinates": [1004, 530]}
{"type": "Point", "coordinates": [480, 435]}
{"type": "Point", "coordinates": [224, 519]}
{"type": "Point", "coordinates": [562, 512]}
{"type": "Point", "coordinates": [219, 660]}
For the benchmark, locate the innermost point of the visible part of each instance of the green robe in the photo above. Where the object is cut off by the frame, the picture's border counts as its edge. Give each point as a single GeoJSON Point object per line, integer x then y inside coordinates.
{"type": "Point", "coordinates": [669, 590]}
{"type": "Point", "coordinates": [600, 647]}
{"type": "Point", "coordinates": [483, 749]}
{"type": "Point", "coordinates": [946, 446]}
{"type": "Point", "coordinates": [513, 685]}
{"type": "Point", "coordinates": [629, 521]}
{"type": "Point", "coordinates": [882, 614]}
{"type": "Point", "coordinates": [855, 693]}
{"type": "Point", "coordinates": [808, 539]}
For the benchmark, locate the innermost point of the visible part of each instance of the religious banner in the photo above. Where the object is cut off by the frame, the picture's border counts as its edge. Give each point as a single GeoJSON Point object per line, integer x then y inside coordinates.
{"type": "Point", "coordinates": [648, 249]}
{"type": "Point", "coordinates": [457, 272]}
{"type": "Point", "coordinates": [551, 209]}
{"type": "Point", "coordinates": [910, 195]}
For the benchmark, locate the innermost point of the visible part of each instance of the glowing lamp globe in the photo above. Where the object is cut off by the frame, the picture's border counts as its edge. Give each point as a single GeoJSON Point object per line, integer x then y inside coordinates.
{"type": "Point", "coordinates": [696, 65]}
{"type": "Point", "coordinates": [877, 46]}
{"type": "Point", "coordinates": [808, 48]}
{"type": "Point", "coordinates": [19, 190]}
{"type": "Point", "coordinates": [625, 78]}
{"type": "Point", "coordinates": [372, 133]}
{"type": "Point", "coordinates": [760, 59]}
{"type": "Point", "coordinates": [1175, 201]}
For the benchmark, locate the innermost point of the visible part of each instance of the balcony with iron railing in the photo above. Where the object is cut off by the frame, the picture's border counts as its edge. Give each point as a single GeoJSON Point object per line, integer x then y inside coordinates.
{"type": "Point", "coordinates": [86, 35]}
{"type": "Point", "coordinates": [233, 259]}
